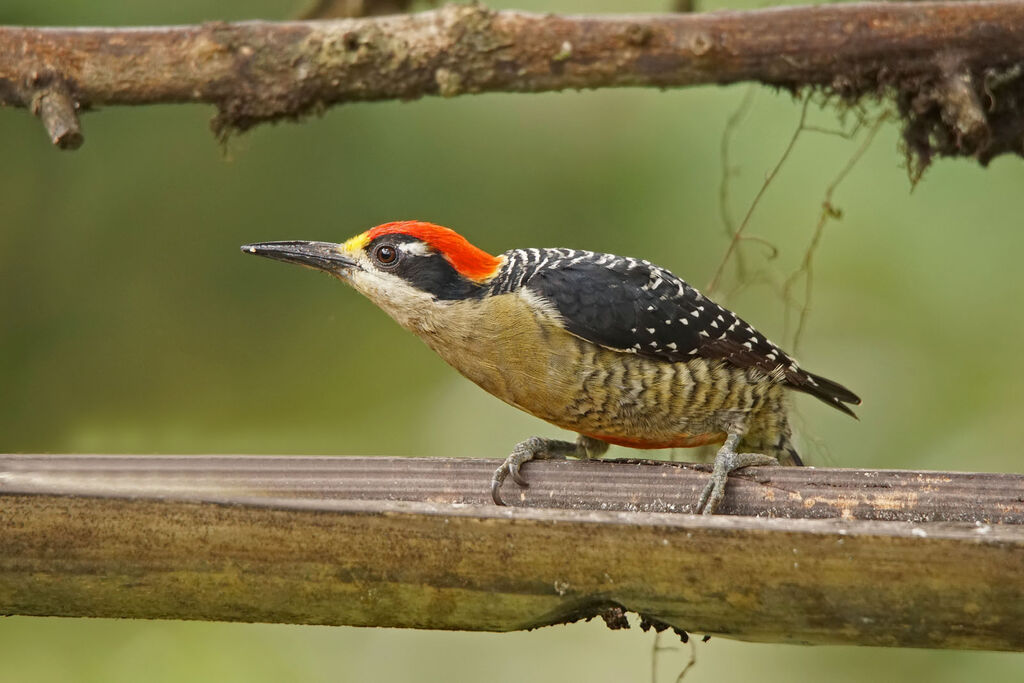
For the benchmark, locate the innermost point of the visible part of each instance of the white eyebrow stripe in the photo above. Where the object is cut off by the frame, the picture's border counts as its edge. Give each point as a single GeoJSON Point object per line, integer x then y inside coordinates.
{"type": "Point", "coordinates": [414, 248]}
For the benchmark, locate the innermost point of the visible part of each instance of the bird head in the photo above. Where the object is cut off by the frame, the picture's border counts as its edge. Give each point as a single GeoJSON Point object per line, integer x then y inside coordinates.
{"type": "Point", "coordinates": [402, 267]}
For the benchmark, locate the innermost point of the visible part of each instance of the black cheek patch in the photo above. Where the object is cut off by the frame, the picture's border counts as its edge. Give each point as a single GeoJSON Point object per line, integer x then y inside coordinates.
{"type": "Point", "coordinates": [428, 272]}
{"type": "Point", "coordinates": [433, 274]}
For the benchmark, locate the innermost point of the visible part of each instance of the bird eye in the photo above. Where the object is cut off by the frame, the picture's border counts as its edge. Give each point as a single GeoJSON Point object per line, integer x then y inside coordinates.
{"type": "Point", "coordinates": [386, 255]}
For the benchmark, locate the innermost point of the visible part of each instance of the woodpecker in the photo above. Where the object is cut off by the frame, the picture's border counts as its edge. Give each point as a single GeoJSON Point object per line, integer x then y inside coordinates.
{"type": "Point", "coordinates": [613, 348]}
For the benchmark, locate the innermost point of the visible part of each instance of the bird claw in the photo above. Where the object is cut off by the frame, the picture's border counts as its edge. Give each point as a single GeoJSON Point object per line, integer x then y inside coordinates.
{"type": "Point", "coordinates": [521, 454]}
{"type": "Point", "coordinates": [726, 462]}
{"type": "Point", "coordinates": [713, 493]}
{"type": "Point", "coordinates": [496, 482]}
{"type": "Point", "coordinates": [534, 448]}
{"type": "Point", "coordinates": [509, 467]}
{"type": "Point", "coordinates": [514, 464]}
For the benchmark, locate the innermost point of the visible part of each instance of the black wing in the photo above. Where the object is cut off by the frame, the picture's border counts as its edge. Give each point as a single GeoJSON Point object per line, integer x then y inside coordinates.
{"type": "Point", "coordinates": [633, 306]}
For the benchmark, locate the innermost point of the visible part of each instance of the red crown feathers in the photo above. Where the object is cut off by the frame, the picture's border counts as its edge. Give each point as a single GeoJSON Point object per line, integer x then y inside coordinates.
{"type": "Point", "coordinates": [472, 262]}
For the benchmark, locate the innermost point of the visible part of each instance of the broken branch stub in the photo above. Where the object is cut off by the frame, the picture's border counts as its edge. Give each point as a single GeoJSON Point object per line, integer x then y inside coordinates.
{"type": "Point", "coordinates": [56, 108]}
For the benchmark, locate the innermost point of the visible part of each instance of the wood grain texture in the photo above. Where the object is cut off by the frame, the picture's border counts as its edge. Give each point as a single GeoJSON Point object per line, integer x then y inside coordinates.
{"type": "Point", "coordinates": [624, 485]}
{"type": "Point", "coordinates": [393, 542]}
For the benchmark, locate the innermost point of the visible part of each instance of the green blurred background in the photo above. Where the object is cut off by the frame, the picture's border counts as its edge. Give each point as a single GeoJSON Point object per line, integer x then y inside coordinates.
{"type": "Point", "coordinates": [132, 324]}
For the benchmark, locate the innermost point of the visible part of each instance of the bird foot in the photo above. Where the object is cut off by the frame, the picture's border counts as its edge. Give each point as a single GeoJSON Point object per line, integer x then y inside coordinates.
{"type": "Point", "coordinates": [539, 448]}
{"type": "Point", "coordinates": [726, 461]}
{"type": "Point", "coordinates": [534, 448]}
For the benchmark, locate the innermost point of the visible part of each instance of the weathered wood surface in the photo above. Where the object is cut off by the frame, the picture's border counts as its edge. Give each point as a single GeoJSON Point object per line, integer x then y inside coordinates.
{"type": "Point", "coordinates": [412, 542]}
{"type": "Point", "coordinates": [626, 485]}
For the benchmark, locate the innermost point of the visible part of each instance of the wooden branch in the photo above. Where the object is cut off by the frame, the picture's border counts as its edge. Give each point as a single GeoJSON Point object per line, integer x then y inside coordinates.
{"type": "Point", "coordinates": [954, 68]}
{"type": "Point", "coordinates": [405, 542]}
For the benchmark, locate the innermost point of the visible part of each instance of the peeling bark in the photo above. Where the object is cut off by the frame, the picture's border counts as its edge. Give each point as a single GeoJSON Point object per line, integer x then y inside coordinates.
{"type": "Point", "coordinates": [953, 68]}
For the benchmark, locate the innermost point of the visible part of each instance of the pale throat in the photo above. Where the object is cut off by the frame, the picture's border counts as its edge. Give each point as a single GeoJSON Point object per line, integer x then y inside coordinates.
{"type": "Point", "coordinates": [411, 308]}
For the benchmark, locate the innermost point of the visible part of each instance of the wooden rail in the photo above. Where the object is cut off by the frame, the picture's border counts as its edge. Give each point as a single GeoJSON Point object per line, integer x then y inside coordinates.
{"type": "Point", "coordinates": [922, 559]}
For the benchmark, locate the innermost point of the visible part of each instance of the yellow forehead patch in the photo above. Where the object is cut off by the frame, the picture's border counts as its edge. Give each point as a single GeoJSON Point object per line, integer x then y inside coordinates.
{"type": "Point", "coordinates": [357, 243]}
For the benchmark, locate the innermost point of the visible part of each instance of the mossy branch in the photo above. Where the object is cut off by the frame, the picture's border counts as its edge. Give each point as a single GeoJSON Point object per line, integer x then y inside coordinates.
{"type": "Point", "coordinates": [953, 68]}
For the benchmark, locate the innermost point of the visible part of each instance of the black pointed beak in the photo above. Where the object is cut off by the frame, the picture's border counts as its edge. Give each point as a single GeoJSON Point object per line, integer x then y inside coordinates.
{"type": "Point", "coordinates": [325, 256]}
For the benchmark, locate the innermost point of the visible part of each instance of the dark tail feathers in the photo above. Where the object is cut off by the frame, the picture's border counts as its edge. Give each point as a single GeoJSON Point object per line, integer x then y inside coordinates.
{"type": "Point", "coordinates": [832, 393]}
